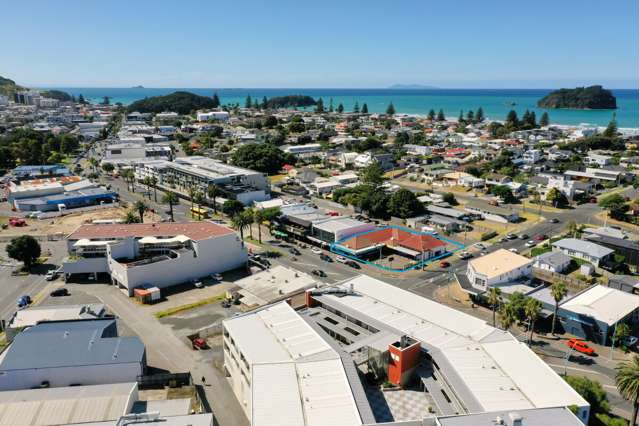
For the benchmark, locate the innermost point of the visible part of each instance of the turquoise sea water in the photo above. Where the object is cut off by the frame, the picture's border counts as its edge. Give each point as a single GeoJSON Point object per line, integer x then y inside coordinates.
{"type": "Point", "coordinates": [495, 102]}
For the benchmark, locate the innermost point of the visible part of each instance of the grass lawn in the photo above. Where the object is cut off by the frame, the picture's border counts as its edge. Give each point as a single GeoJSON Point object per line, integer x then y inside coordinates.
{"type": "Point", "coordinates": [277, 178]}
{"type": "Point", "coordinates": [177, 309]}
{"type": "Point", "coordinates": [536, 251]}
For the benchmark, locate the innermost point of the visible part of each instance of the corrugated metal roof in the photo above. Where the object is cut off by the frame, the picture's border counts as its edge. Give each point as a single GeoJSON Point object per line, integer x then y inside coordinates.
{"type": "Point", "coordinates": [604, 304]}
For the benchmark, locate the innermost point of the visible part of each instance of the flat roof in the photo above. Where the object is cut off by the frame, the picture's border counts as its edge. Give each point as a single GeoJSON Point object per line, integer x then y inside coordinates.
{"type": "Point", "coordinates": [297, 377]}
{"type": "Point", "coordinates": [272, 284]}
{"type": "Point", "coordinates": [196, 231]}
{"type": "Point", "coordinates": [205, 419]}
{"type": "Point", "coordinates": [73, 404]}
{"type": "Point", "coordinates": [33, 315]}
{"type": "Point", "coordinates": [604, 304]}
{"type": "Point", "coordinates": [498, 263]}
{"type": "Point", "coordinates": [491, 366]}
{"type": "Point", "coordinates": [340, 223]}
{"type": "Point", "coordinates": [556, 416]}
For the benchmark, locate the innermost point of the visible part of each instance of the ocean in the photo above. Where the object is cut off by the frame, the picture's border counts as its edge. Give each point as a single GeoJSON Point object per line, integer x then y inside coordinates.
{"type": "Point", "coordinates": [495, 102]}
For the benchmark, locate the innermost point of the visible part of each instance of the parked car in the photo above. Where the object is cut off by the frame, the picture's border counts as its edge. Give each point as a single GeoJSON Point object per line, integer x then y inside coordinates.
{"type": "Point", "coordinates": [319, 272]}
{"type": "Point", "coordinates": [530, 244]}
{"type": "Point", "coordinates": [554, 220]}
{"type": "Point", "coordinates": [51, 275]}
{"type": "Point", "coordinates": [294, 251]}
{"type": "Point", "coordinates": [524, 236]}
{"type": "Point", "coordinates": [540, 237]}
{"type": "Point", "coordinates": [464, 255]}
{"type": "Point", "coordinates": [514, 250]}
{"type": "Point", "coordinates": [444, 264]}
{"type": "Point", "coordinates": [200, 343]}
{"type": "Point", "coordinates": [198, 284]}
{"type": "Point", "coordinates": [353, 264]}
{"type": "Point", "coordinates": [341, 259]}
{"type": "Point", "coordinates": [326, 258]}
{"type": "Point", "coordinates": [480, 246]}
{"type": "Point", "coordinates": [580, 346]}
{"type": "Point", "coordinates": [217, 277]}
{"type": "Point", "coordinates": [511, 236]}
{"type": "Point", "coordinates": [316, 250]}
{"type": "Point", "coordinates": [630, 341]}
{"type": "Point", "coordinates": [24, 301]}
{"type": "Point", "coordinates": [503, 240]}
{"type": "Point", "coordinates": [59, 292]}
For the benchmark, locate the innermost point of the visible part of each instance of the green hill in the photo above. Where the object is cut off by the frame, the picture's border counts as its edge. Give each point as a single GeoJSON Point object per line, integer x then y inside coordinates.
{"type": "Point", "coordinates": [8, 86]}
{"type": "Point", "coordinates": [180, 102]}
{"type": "Point", "coordinates": [57, 94]}
{"type": "Point", "coordinates": [593, 97]}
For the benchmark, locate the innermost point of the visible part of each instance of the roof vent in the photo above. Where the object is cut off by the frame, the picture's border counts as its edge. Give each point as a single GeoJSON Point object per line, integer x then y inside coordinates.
{"type": "Point", "coordinates": [515, 419]}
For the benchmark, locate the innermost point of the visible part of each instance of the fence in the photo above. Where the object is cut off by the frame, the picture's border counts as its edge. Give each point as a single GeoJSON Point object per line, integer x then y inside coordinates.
{"type": "Point", "coordinates": [548, 276]}
{"type": "Point", "coordinates": [160, 380]}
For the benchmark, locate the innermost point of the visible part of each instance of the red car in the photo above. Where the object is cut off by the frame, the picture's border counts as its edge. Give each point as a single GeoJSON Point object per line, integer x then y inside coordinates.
{"type": "Point", "coordinates": [580, 346]}
{"type": "Point", "coordinates": [200, 343]}
{"type": "Point", "coordinates": [444, 264]}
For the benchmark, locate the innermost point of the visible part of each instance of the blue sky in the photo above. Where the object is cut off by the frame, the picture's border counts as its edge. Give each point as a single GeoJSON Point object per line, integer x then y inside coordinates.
{"type": "Point", "coordinates": [347, 43]}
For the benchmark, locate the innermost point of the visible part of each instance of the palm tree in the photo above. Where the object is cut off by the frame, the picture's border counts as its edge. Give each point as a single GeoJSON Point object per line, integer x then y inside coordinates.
{"type": "Point", "coordinates": [198, 198]}
{"type": "Point", "coordinates": [129, 178]}
{"type": "Point", "coordinates": [239, 222]}
{"type": "Point", "coordinates": [94, 164]}
{"type": "Point", "coordinates": [147, 182]}
{"type": "Point", "coordinates": [507, 316]}
{"type": "Point", "coordinates": [192, 192]}
{"type": "Point", "coordinates": [572, 228]}
{"type": "Point", "coordinates": [171, 199]}
{"type": "Point", "coordinates": [532, 308]}
{"type": "Point", "coordinates": [558, 291]}
{"type": "Point", "coordinates": [258, 217]}
{"type": "Point", "coordinates": [154, 184]}
{"type": "Point", "coordinates": [494, 297]}
{"type": "Point", "coordinates": [250, 219]}
{"type": "Point", "coordinates": [627, 381]}
{"type": "Point", "coordinates": [213, 191]}
{"type": "Point", "coordinates": [140, 207]}
{"type": "Point", "coordinates": [131, 218]}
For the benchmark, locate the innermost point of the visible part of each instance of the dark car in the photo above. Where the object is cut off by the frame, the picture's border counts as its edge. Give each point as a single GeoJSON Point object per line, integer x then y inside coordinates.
{"type": "Point", "coordinates": [319, 273]}
{"type": "Point", "coordinates": [326, 258]}
{"type": "Point", "coordinates": [59, 292]}
{"type": "Point", "coordinates": [554, 220]}
{"type": "Point", "coordinates": [524, 237]}
{"type": "Point", "coordinates": [294, 251]}
{"type": "Point", "coordinates": [352, 264]}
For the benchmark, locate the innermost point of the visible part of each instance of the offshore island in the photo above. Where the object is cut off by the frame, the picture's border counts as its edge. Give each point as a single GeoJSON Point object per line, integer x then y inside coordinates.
{"type": "Point", "coordinates": [593, 97]}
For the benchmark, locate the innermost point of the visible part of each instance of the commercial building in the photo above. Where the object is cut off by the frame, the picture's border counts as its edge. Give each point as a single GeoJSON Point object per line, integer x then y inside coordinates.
{"type": "Point", "coordinates": [213, 115]}
{"type": "Point", "coordinates": [304, 367]}
{"type": "Point", "coordinates": [122, 154]}
{"type": "Point", "coordinates": [71, 353]}
{"type": "Point", "coordinates": [585, 250]}
{"type": "Point", "coordinates": [66, 405]}
{"type": "Point", "coordinates": [490, 212]}
{"type": "Point", "coordinates": [39, 171]}
{"type": "Point", "coordinates": [555, 416]}
{"type": "Point", "coordinates": [160, 254]}
{"type": "Point", "coordinates": [31, 316]}
{"type": "Point", "coordinates": [67, 200]}
{"type": "Point", "coordinates": [497, 269]}
{"type": "Point", "coordinates": [594, 313]}
{"type": "Point", "coordinates": [247, 186]}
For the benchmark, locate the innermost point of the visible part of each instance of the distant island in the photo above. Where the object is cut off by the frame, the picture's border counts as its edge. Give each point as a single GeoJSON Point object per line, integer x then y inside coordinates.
{"type": "Point", "coordinates": [137, 87]}
{"type": "Point", "coordinates": [180, 102]}
{"type": "Point", "coordinates": [593, 97]}
{"type": "Point", "coordinates": [291, 101]}
{"type": "Point", "coordinates": [411, 87]}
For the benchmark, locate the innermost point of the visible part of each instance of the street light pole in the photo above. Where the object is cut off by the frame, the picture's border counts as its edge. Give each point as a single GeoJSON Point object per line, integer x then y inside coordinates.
{"type": "Point", "coordinates": [566, 360]}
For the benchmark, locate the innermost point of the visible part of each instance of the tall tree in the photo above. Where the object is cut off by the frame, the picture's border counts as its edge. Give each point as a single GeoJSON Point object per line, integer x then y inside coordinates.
{"type": "Point", "coordinates": [440, 115]}
{"type": "Point", "coordinates": [154, 184]}
{"type": "Point", "coordinates": [372, 174]}
{"type": "Point", "coordinates": [147, 182]}
{"type": "Point", "coordinates": [364, 108]}
{"type": "Point", "coordinates": [213, 191]}
{"type": "Point", "coordinates": [356, 107]}
{"type": "Point", "coordinates": [140, 207]}
{"type": "Point", "coordinates": [171, 199]}
{"type": "Point", "coordinates": [479, 115]}
{"type": "Point", "coordinates": [431, 115]}
{"type": "Point", "coordinates": [239, 221]}
{"type": "Point", "coordinates": [319, 106]}
{"type": "Point", "coordinates": [198, 199]}
{"type": "Point", "coordinates": [511, 119]}
{"type": "Point", "coordinates": [494, 297]}
{"type": "Point", "coordinates": [558, 291]}
{"type": "Point", "coordinates": [216, 101]}
{"type": "Point", "coordinates": [258, 218]}
{"type": "Point", "coordinates": [532, 309]}
{"type": "Point", "coordinates": [340, 108]}
{"type": "Point", "coordinates": [81, 99]}
{"type": "Point", "coordinates": [544, 120]}
{"type": "Point", "coordinates": [611, 130]}
{"type": "Point", "coordinates": [470, 116]}
{"type": "Point", "coordinates": [627, 380]}
{"type": "Point", "coordinates": [248, 103]}
{"type": "Point", "coordinates": [249, 219]}
{"type": "Point", "coordinates": [330, 105]}
{"type": "Point", "coordinates": [390, 110]}
{"type": "Point", "coordinates": [507, 315]}
{"type": "Point", "coordinates": [264, 103]}
{"type": "Point", "coordinates": [25, 249]}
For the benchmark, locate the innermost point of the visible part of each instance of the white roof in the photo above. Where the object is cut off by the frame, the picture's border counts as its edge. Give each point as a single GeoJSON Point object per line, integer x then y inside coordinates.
{"type": "Point", "coordinates": [267, 286]}
{"type": "Point", "coordinates": [339, 223]}
{"type": "Point", "coordinates": [156, 240]}
{"type": "Point", "coordinates": [75, 404]}
{"type": "Point", "coordinates": [297, 377]}
{"type": "Point", "coordinates": [495, 368]}
{"type": "Point", "coordinates": [33, 315]}
{"type": "Point", "coordinates": [605, 304]}
{"type": "Point", "coordinates": [498, 263]}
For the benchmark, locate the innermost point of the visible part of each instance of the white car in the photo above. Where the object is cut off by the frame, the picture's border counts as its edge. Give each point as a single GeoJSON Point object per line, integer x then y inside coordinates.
{"type": "Point", "coordinates": [316, 250]}
{"type": "Point", "coordinates": [340, 259]}
{"type": "Point", "coordinates": [198, 284]}
{"type": "Point", "coordinates": [514, 250]}
{"type": "Point", "coordinates": [480, 246]}
{"type": "Point", "coordinates": [630, 341]}
{"type": "Point", "coordinates": [464, 255]}
{"type": "Point", "coordinates": [531, 244]}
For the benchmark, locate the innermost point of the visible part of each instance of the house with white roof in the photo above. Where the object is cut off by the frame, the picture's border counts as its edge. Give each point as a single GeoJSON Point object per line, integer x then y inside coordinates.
{"type": "Point", "coordinates": [498, 268]}
{"type": "Point", "coordinates": [585, 250]}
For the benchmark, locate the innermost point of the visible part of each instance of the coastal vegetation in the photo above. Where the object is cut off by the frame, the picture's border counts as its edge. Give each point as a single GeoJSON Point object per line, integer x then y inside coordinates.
{"type": "Point", "coordinates": [26, 146]}
{"type": "Point", "coordinates": [593, 97]}
{"type": "Point", "coordinates": [180, 102]}
{"type": "Point", "coordinates": [266, 158]}
{"type": "Point", "coordinates": [8, 86]}
{"type": "Point", "coordinates": [290, 101]}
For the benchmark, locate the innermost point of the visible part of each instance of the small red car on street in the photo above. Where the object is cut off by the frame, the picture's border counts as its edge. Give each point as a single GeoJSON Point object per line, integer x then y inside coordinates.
{"type": "Point", "coordinates": [444, 264]}
{"type": "Point", "coordinates": [580, 346]}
